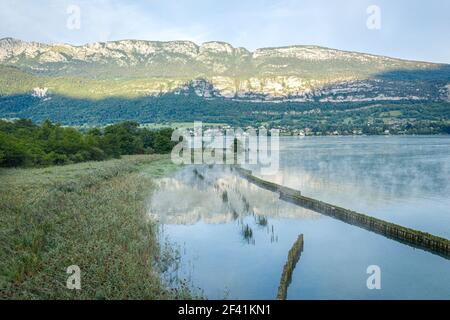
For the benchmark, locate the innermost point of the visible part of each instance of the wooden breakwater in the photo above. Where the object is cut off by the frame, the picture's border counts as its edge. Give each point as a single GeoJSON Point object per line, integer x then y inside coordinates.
{"type": "Point", "coordinates": [286, 276]}
{"type": "Point", "coordinates": [414, 238]}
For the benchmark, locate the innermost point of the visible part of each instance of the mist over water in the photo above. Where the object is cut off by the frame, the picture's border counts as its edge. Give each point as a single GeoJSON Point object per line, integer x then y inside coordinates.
{"type": "Point", "coordinates": [234, 237]}
{"type": "Point", "coordinates": [405, 180]}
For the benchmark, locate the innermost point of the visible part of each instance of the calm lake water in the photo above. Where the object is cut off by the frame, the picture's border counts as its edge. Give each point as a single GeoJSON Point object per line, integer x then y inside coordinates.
{"type": "Point", "coordinates": [233, 238]}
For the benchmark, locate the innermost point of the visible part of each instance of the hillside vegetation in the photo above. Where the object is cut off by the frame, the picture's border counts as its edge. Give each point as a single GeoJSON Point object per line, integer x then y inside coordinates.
{"type": "Point", "coordinates": [371, 118]}
{"type": "Point", "coordinates": [295, 87]}
{"type": "Point", "coordinates": [133, 68]}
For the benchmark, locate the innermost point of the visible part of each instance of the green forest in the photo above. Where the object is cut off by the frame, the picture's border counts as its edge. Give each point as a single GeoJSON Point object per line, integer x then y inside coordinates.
{"type": "Point", "coordinates": [26, 144]}
{"type": "Point", "coordinates": [399, 117]}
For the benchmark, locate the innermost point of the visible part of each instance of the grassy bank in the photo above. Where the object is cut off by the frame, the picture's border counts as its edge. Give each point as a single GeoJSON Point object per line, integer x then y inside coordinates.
{"type": "Point", "coordinates": [91, 215]}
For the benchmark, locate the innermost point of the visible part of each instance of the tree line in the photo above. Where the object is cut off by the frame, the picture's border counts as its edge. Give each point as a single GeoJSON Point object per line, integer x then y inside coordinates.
{"type": "Point", "coordinates": [24, 143]}
{"type": "Point", "coordinates": [405, 117]}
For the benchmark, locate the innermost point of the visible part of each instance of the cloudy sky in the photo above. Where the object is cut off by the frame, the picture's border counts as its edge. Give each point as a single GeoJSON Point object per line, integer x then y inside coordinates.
{"type": "Point", "coordinates": [411, 29]}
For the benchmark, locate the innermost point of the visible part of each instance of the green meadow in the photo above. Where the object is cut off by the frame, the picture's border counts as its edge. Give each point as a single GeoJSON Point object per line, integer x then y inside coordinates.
{"type": "Point", "coordinates": [90, 214]}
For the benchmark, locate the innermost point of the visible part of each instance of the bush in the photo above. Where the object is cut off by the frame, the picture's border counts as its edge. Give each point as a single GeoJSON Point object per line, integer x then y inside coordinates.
{"type": "Point", "coordinates": [23, 143]}
{"type": "Point", "coordinates": [13, 152]}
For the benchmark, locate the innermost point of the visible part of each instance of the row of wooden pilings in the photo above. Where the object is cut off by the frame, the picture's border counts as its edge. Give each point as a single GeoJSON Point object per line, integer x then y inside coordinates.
{"type": "Point", "coordinates": [414, 238]}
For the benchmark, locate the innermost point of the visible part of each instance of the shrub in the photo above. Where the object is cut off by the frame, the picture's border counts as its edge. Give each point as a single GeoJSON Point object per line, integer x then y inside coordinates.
{"type": "Point", "coordinates": [23, 143]}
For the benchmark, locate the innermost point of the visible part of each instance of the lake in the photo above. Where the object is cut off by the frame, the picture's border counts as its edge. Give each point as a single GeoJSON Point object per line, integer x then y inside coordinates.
{"type": "Point", "coordinates": [233, 237]}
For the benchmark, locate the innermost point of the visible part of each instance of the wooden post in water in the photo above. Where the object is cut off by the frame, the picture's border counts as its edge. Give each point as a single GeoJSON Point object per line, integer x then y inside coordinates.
{"type": "Point", "coordinates": [286, 276]}
{"type": "Point", "coordinates": [414, 238]}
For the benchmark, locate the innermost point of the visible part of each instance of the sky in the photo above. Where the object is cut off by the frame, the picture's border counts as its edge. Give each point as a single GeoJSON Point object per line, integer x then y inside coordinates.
{"type": "Point", "coordinates": [409, 29]}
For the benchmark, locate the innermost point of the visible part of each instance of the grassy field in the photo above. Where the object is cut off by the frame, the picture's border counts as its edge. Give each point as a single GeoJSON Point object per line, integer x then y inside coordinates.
{"type": "Point", "coordinates": [91, 215]}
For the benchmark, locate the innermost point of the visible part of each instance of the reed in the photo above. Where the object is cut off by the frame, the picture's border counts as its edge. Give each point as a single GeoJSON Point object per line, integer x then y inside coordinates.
{"type": "Point", "coordinates": [92, 215]}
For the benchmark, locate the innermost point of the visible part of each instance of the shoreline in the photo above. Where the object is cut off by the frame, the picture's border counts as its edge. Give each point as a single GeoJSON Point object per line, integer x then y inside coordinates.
{"type": "Point", "coordinates": [92, 215]}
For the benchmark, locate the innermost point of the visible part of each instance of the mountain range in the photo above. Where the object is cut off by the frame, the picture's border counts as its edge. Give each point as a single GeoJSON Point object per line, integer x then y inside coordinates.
{"type": "Point", "coordinates": [135, 69]}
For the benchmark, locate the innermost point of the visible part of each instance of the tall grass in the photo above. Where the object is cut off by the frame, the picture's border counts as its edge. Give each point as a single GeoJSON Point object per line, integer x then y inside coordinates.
{"type": "Point", "coordinates": [91, 215]}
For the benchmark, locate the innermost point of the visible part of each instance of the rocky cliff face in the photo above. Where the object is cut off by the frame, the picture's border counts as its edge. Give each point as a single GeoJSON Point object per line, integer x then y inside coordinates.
{"type": "Point", "coordinates": [218, 70]}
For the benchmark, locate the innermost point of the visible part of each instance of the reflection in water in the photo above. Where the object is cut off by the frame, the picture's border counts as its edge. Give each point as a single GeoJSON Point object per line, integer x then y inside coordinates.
{"type": "Point", "coordinates": [218, 196]}
{"type": "Point", "coordinates": [247, 233]}
{"type": "Point", "coordinates": [234, 237]}
{"type": "Point", "coordinates": [261, 221]}
{"type": "Point", "coordinates": [405, 180]}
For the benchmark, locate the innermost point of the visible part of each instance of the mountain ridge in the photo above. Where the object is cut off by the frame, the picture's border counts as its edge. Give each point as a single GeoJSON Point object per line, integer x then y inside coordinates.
{"type": "Point", "coordinates": [307, 52]}
{"type": "Point", "coordinates": [216, 69]}
{"type": "Point", "coordinates": [308, 46]}
{"type": "Point", "coordinates": [301, 88]}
